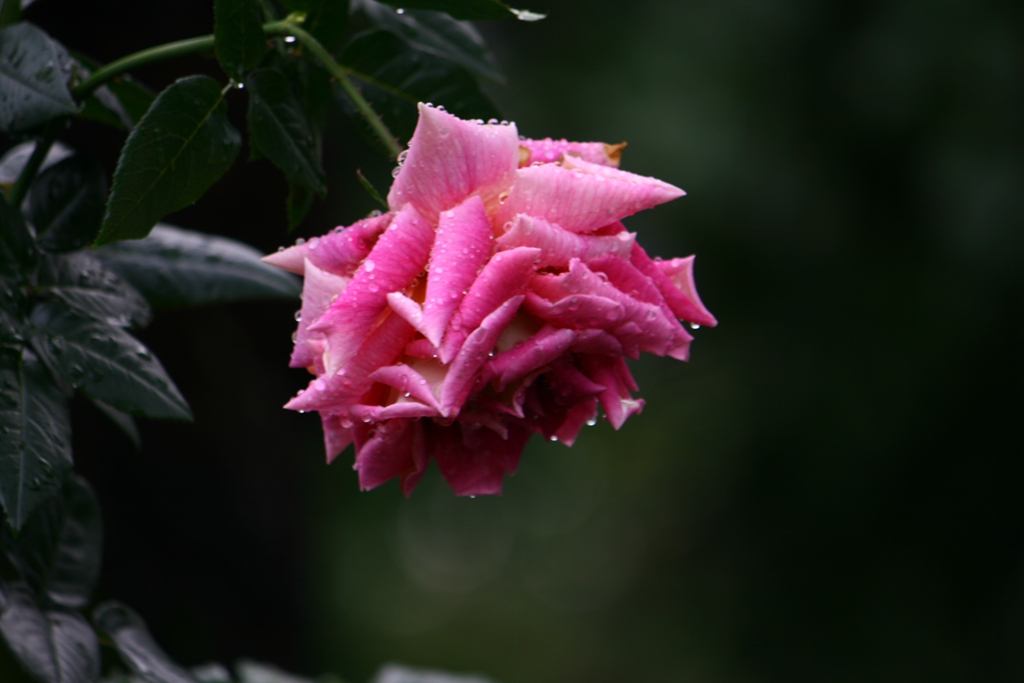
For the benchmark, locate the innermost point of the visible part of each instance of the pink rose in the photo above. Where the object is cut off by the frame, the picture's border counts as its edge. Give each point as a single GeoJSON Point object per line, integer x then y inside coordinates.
{"type": "Point", "coordinates": [498, 298]}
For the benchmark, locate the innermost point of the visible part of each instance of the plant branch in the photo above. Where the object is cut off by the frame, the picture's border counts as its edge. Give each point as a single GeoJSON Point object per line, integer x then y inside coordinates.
{"type": "Point", "coordinates": [20, 188]}
{"type": "Point", "coordinates": [287, 28]}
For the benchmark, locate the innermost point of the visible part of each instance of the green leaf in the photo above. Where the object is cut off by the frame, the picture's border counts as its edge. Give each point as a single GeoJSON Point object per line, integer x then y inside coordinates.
{"type": "Point", "coordinates": [59, 550]}
{"type": "Point", "coordinates": [303, 5]}
{"type": "Point", "coordinates": [238, 32]}
{"type": "Point", "coordinates": [139, 653]}
{"type": "Point", "coordinates": [10, 12]}
{"type": "Point", "coordinates": [67, 202]}
{"type": "Point", "coordinates": [86, 285]}
{"type": "Point", "coordinates": [328, 22]}
{"type": "Point", "coordinates": [181, 146]}
{"type": "Point", "coordinates": [469, 9]}
{"type": "Point", "coordinates": [174, 267]}
{"type": "Point", "coordinates": [32, 82]}
{"type": "Point", "coordinates": [398, 77]}
{"type": "Point", "coordinates": [107, 363]}
{"type": "Point", "coordinates": [438, 34]}
{"type": "Point", "coordinates": [249, 671]}
{"type": "Point", "coordinates": [299, 201]}
{"type": "Point", "coordinates": [35, 451]}
{"type": "Point", "coordinates": [278, 127]}
{"type": "Point", "coordinates": [123, 421]}
{"type": "Point", "coordinates": [55, 645]}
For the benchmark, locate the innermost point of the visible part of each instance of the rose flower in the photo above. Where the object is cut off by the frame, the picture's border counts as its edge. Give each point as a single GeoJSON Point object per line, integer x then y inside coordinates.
{"type": "Point", "coordinates": [498, 297]}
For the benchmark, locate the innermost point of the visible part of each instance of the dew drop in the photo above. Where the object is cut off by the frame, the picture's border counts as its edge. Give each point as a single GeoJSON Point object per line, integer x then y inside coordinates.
{"type": "Point", "coordinates": [298, 315]}
{"type": "Point", "coordinates": [591, 422]}
{"type": "Point", "coordinates": [369, 265]}
{"type": "Point", "coordinates": [553, 438]}
{"type": "Point", "coordinates": [694, 326]}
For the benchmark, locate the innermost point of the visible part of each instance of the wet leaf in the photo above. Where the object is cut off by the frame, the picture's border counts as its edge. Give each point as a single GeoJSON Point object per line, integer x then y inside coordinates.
{"type": "Point", "coordinates": [181, 146]}
{"type": "Point", "coordinates": [32, 82]}
{"type": "Point", "coordinates": [122, 420]}
{"type": "Point", "coordinates": [85, 284]}
{"type": "Point", "coordinates": [121, 102]}
{"type": "Point", "coordinates": [468, 9]}
{"type": "Point", "coordinates": [438, 34]}
{"type": "Point", "coordinates": [398, 77]}
{"type": "Point", "coordinates": [107, 363]}
{"type": "Point", "coordinates": [59, 550]}
{"type": "Point", "coordinates": [238, 32]}
{"type": "Point", "coordinates": [139, 653]}
{"type": "Point", "coordinates": [54, 645]}
{"type": "Point", "coordinates": [279, 129]}
{"type": "Point", "coordinates": [67, 202]}
{"type": "Point", "coordinates": [174, 267]}
{"type": "Point", "coordinates": [35, 448]}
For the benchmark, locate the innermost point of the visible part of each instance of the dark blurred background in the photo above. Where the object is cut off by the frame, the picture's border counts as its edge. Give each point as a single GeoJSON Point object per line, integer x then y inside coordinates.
{"type": "Point", "coordinates": [829, 491]}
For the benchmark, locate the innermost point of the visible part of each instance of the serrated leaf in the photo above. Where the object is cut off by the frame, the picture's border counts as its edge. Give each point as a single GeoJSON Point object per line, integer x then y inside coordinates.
{"type": "Point", "coordinates": [468, 9]}
{"type": "Point", "coordinates": [238, 33]}
{"type": "Point", "coordinates": [278, 127]}
{"type": "Point", "coordinates": [35, 448]}
{"type": "Point", "coordinates": [174, 267]}
{"type": "Point", "coordinates": [55, 645]}
{"type": "Point", "coordinates": [85, 284]}
{"type": "Point", "coordinates": [438, 34]}
{"type": "Point", "coordinates": [398, 77]}
{"type": "Point", "coordinates": [59, 550]}
{"type": "Point", "coordinates": [123, 421]}
{"type": "Point", "coordinates": [32, 82]}
{"type": "Point", "coordinates": [67, 202]}
{"type": "Point", "coordinates": [139, 653]}
{"type": "Point", "coordinates": [181, 146]}
{"type": "Point", "coordinates": [107, 363]}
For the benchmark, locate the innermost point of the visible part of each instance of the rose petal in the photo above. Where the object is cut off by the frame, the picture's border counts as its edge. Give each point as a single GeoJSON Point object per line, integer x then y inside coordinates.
{"type": "Point", "coordinates": [319, 289]}
{"type": "Point", "coordinates": [616, 400]}
{"type": "Point", "coordinates": [386, 454]}
{"type": "Point", "coordinates": [548, 150]}
{"type": "Point", "coordinates": [397, 258]}
{"type": "Point", "coordinates": [533, 354]}
{"type": "Point", "coordinates": [407, 380]}
{"type": "Point", "coordinates": [339, 252]}
{"type": "Point", "coordinates": [504, 276]}
{"type": "Point", "coordinates": [580, 196]}
{"type": "Point", "coordinates": [450, 159]}
{"type": "Point", "coordinates": [337, 436]}
{"type": "Point", "coordinates": [577, 416]}
{"type": "Point", "coordinates": [558, 245]}
{"type": "Point", "coordinates": [475, 461]}
{"type": "Point", "coordinates": [681, 298]}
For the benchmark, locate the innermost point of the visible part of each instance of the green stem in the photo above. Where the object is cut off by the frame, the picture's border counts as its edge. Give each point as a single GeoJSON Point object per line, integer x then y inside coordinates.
{"type": "Point", "coordinates": [336, 70]}
{"type": "Point", "coordinates": [20, 188]}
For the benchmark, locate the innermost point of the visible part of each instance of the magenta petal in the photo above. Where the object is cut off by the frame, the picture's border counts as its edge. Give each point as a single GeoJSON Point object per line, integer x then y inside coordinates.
{"type": "Point", "coordinates": [337, 392]}
{"type": "Point", "coordinates": [387, 454]}
{"type": "Point", "coordinates": [407, 380]}
{"type": "Point", "coordinates": [596, 341]}
{"type": "Point", "coordinates": [504, 276]}
{"type": "Point", "coordinates": [337, 436]}
{"type": "Point", "coordinates": [576, 311]}
{"type": "Point", "coordinates": [463, 374]}
{"type": "Point", "coordinates": [680, 272]}
{"type": "Point", "coordinates": [569, 386]}
{"type": "Point", "coordinates": [401, 409]}
{"type": "Point", "coordinates": [450, 159]}
{"type": "Point", "coordinates": [533, 354]}
{"type": "Point", "coordinates": [407, 308]}
{"type": "Point", "coordinates": [579, 415]}
{"type": "Point", "coordinates": [339, 252]}
{"type": "Point", "coordinates": [319, 289]}
{"type": "Point", "coordinates": [581, 197]}
{"type": "Point", "coordinates": [462, 246]}
{"type": "Point", "coordinates": [479, 466]}
{"type": "Point", "coordinates": [547, 150]}
{"type": "Point", "coordinates": [683, 301]}
{"type": "Point", "coordinates": [558, 245]}
{"type": "Point", "coordinates": [616, 399]}
{"type": "Point", "coordinates": [398, 257]}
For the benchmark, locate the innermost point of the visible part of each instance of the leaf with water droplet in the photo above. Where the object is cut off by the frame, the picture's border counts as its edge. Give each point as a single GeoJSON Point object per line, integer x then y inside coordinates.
{"type": "Point", "coordinates": [238, 35]}
{"type": "Point", "coordinates": [131, 638]}
{"type": "Point", "coordinates": [33, 87]}
{"type": "Point", "coordinates": [67, 203]}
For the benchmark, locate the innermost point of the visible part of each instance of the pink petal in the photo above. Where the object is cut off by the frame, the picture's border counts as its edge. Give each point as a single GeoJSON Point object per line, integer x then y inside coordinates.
{"type": "Point", "coordinates": [580, 196]}
{"type": "Point", "coordinates": [461, 248]}
{"type": "Point", "coordinates": [400, 409]}
{"type": "Point", "coordinates": [533, 354]}
{"type": "Point", "coordinates": [420, 348]}
{"type": "Point", "coordinates": [558, 245]}
{"type": "Point", "coordinates": [450, 159]}
{"type": "Point", "coordinates": [569, 386]}
{"type": "Point", "coordinates": [682, 297]}
{"type": "Point", "coordinates": [337, 436]}
{"type": "Point", "coordinates": [339, 252]}
{"type": "Point", "coordinates": [407, 380]}
{"type": "Point", "coordinates": [548, 150]}
{"type": "Point", "coordinates": [396, 260]}
{"type": "Point", "coordinates": [504, 276]}
{"type": "Point", "coordinates": [596, 341]}
{"type": "Point", "coordinates": [319, 289]}
{"type": "Point", "coordinates": [463, 376]}
{"type": "Point", "coordinates": [475, 461]}
{"type": "Point", "coordinates": [338, 392]}
{"type": "Point", "coordinates": [386, 454]}
{"type": "Point", "coordinates": [616, 399]}
{"type": "Point", "coordinates": [577, 311]}
{"type": "Point", "coordinates": [578, 416]}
